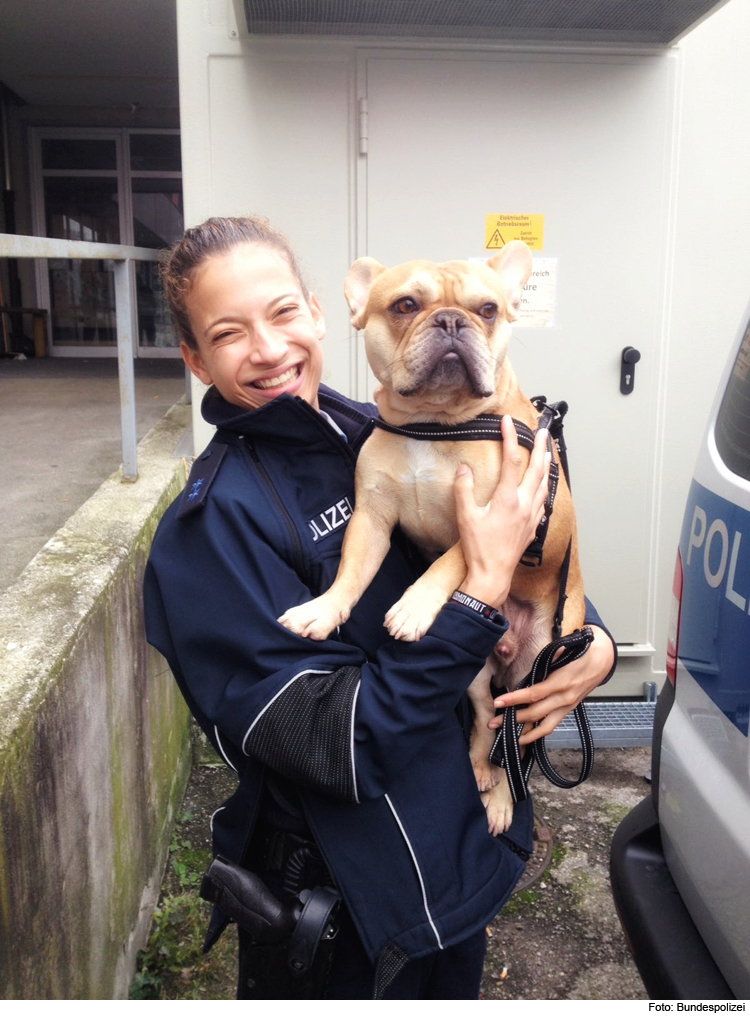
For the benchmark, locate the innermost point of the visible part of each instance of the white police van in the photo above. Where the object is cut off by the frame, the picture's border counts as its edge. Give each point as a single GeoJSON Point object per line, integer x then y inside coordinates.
{"type": "Point", "coordinates": [681, 859]}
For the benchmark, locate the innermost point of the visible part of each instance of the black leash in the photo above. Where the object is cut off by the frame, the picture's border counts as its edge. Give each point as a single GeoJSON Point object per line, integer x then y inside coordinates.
{"type": "Point", "coordinates": [506, 750]}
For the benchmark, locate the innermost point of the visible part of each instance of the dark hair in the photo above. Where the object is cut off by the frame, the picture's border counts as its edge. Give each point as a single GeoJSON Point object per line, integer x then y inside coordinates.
{"type": "Point", "coordinates": [215, 236]}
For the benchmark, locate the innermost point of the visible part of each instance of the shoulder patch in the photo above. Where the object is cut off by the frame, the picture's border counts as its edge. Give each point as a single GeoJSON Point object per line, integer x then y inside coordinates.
{"type": "Point", "coordinates": [201, 477]}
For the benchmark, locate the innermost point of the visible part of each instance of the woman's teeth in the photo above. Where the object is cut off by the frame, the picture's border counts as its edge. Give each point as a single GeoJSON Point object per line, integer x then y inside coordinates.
{"type": "Point", "coordinates": [272, 383]}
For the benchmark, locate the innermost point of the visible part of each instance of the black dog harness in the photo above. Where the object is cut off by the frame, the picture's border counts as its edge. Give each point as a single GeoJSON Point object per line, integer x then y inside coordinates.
{"type": "Point", "coordinates": [489, 426]}
{"type": "Point", "coordinates": [506, 751]}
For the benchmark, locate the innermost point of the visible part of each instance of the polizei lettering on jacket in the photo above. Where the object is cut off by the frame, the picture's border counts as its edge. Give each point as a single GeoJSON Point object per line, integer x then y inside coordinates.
{"type": "Point", "coordinates": [331, 519]}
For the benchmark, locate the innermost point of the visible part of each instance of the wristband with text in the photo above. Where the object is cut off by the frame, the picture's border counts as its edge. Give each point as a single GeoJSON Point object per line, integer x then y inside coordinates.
{"type": "Point", "coordinates": [491, 613]}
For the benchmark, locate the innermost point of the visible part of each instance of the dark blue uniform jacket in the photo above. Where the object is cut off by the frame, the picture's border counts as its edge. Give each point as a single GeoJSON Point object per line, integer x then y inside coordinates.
{"type": "Point", "coordinates": [366, 725]}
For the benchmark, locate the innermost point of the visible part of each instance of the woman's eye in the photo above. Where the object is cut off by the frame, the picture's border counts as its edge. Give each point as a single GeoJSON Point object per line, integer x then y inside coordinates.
{"type": "Point", "coordinates": [290, 308]}
{"type": "Point", "coordinates": [488, 311]}
{"type": "Point", "coordinates": [406, 305]}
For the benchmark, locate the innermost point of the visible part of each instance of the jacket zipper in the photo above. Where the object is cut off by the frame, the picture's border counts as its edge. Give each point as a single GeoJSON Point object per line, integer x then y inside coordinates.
{"type": "Point", "coordinates": [342, 443]}
{"type": "Point", "coordinates": [365, 421]}
{"type": "Point", "coordinates": [298, 553]}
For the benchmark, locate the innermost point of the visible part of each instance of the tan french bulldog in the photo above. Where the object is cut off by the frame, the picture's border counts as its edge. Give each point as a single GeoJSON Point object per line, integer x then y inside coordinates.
{"type": "Point", "coordinates": [436, 337]}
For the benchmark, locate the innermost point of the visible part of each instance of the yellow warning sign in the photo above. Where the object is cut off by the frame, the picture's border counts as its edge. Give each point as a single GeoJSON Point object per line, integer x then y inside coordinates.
{"type": "Point", "coordinates": [501, 228]}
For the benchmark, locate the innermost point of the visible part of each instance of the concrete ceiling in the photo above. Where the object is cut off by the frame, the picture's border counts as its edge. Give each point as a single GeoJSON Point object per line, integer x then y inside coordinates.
{"type": "Point", "coordinates": [90, 53]}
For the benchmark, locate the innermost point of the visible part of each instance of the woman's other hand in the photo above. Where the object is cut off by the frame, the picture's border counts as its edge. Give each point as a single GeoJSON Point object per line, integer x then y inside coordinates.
{"type": "Point", "coordinates": [549, 701]}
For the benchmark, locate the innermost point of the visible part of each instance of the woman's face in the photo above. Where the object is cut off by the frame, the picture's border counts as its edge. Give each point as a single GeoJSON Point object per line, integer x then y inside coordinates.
{"type": "Point", "coordinates": [257, 335]}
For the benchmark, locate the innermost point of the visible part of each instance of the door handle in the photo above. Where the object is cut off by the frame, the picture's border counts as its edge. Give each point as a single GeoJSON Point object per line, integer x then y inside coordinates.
{"type": "Point", "coordinates": [630, 357]}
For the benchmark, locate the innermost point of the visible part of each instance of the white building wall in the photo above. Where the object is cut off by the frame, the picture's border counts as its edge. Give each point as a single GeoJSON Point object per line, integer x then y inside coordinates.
{"type": "Point", "coordinates": [267, 128]}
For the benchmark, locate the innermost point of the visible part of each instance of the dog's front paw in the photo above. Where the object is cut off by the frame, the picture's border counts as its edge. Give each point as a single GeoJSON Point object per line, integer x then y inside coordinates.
{"type": "Point", "coordinates": [313, 620]}
{"type": "Point", "coordinates": [498, 803]}
{"type": "Point", "coordinates": [411, 617]}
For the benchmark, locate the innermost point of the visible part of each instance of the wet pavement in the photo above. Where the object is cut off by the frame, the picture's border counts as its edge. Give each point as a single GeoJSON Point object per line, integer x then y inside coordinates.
{"type": "Point", "coordinates": [60, 438]}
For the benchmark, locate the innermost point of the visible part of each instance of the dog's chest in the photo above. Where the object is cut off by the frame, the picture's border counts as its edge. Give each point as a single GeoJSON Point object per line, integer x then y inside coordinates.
{"type": "Point", "coordinates": [427, 507]}
{"type": "Point", "coordinates": [424, 465]}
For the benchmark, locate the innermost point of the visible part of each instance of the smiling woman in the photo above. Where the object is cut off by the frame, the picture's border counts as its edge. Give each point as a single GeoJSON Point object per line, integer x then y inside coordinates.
{"type": "Point", "coordinates": [257, 335]}
{"type": "Point", "coordinates": [247, 322]}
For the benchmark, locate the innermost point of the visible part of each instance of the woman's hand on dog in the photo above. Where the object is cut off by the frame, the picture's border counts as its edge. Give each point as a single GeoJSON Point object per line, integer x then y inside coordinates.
{"type": "Point", "coordinates": [495, 537]}
{"type": "Point", "coordinates": [549, 701]}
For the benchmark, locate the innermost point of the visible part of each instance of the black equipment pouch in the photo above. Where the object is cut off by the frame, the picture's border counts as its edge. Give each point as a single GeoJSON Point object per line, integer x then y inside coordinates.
{"type": "Point", "coordinates": [265, 971]}
{"type": "Point", "coordinates": [285, 947]}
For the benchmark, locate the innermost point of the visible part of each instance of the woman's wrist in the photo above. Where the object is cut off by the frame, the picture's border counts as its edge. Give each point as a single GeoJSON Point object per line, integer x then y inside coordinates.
{"type": "Point", "coordinates": [485, 590]}
{"type": "Point", "coordinates": [602, 655]}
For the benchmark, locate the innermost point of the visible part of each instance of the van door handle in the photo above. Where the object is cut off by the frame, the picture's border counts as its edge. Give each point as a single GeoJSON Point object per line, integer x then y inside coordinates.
{"type": "Point", "coordinates": [630, 357]}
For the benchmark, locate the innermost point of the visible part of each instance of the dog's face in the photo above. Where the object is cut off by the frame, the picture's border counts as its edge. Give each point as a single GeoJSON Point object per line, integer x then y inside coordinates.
{"type": "Point", "coordinates": [438, 333]}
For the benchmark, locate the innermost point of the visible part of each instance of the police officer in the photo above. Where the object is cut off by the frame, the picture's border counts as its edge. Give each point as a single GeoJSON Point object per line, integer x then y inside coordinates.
{"type": "Point", "coordinates": [351, 757]}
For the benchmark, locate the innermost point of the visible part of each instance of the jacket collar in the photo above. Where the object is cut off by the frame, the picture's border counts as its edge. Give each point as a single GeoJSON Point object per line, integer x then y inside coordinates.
{"type": "Point", "coordinates": [288, 418]}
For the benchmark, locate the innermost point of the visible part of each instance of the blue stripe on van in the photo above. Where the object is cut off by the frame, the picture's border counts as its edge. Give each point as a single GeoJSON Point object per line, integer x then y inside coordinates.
{"type": "Point", "coordinates": [714, 641]}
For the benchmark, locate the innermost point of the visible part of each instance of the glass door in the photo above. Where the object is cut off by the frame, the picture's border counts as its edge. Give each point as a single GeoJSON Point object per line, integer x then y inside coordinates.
{"type": "Point", "coordinates": [155, 181]}
{"type": "Point", "coordinates": [80, 199]}
{"type": "Point", "coordinates": [105, 186]}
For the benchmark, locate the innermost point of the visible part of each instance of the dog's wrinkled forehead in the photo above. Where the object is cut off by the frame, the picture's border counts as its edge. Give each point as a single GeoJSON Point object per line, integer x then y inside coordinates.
{"type": "Point", "coordinates": [455, 284]}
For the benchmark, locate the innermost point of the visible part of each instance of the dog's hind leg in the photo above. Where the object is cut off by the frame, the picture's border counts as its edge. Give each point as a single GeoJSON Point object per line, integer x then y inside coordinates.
{"type": "Point", "coordinates": [482, 737]}
{"type": "Point", "coordinates": [499, 805]}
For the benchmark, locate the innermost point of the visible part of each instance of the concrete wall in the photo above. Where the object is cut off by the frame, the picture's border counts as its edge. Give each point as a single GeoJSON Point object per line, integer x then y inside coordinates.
{"type": "Point", "coordinates": [94, 744]}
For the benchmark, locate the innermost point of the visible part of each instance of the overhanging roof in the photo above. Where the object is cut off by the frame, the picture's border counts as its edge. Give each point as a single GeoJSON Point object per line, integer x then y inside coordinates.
{"type": "Point", "coordinates": [642, 22]}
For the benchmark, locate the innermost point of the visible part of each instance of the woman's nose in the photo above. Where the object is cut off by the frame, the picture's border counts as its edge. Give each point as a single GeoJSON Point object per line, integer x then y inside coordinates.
{"type": "Point", "coordinates": [267, 347]}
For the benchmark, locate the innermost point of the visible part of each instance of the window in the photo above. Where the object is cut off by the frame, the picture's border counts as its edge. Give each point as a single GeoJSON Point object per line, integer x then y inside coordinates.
{"type": "Point", "coordinates": [101, 185]}
{"type": "Point", "coordinates": [733, 422]}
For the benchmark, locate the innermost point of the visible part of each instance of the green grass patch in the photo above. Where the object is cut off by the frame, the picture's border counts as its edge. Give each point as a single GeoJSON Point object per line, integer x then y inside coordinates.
{"type": "Point", "coordinates": [521, 903]}
{"type": "Point", "coordinates": [172, 964]}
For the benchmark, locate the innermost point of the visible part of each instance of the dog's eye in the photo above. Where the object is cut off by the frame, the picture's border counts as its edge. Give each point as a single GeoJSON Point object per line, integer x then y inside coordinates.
{"type": "Point", "coordinates": [406, 305]}
{"type": "Point", "coordinates": [488, 311]}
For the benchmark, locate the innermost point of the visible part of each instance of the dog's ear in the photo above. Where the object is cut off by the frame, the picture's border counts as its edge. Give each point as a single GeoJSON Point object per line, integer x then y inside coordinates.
{"type": "Point", "coordinates": [513, 264]}
{"type": "Point", "coordinates": [357, 287]}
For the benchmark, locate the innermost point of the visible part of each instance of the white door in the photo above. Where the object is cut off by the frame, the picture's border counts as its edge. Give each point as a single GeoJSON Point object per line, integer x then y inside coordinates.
{"type": "Point", "coordinates": [586, 142]}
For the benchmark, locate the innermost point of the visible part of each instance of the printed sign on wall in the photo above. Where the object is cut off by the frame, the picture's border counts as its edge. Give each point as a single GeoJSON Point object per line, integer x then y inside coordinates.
{"type": "Point", "coordinates": [538, 298]}
{"type": "Point", "coordinates": [501, 228]}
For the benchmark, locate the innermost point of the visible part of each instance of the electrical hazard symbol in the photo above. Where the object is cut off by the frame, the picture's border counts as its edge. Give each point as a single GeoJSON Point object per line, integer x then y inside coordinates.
{"type": "Point", "coordinates": [501, 228]}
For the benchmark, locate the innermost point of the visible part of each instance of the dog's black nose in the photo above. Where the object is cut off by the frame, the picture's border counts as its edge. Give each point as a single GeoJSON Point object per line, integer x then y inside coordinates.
{"type": "Point", "coordinates": [450, 321]}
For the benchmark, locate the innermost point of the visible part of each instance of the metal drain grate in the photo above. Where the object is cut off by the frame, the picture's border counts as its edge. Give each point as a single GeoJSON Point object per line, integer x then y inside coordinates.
{"type": "Point", "coordinates": [612, 724]}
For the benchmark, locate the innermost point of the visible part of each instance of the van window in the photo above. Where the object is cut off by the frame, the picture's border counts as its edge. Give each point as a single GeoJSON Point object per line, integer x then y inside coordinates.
{"type": "Point", "coordinates": [733, 422]}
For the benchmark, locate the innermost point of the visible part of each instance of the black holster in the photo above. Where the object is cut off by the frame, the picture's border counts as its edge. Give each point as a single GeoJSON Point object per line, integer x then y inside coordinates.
{"type": "Point", "coordinates": [285, 946]}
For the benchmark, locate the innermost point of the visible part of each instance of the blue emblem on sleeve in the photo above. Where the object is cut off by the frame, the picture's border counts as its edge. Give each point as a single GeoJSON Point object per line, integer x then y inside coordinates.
{"type": "Point", "coordinates": [201, 478]}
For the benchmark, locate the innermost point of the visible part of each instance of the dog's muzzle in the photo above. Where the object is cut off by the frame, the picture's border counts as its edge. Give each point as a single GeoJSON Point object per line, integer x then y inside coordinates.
{"type": "Point", "coordinates": [449, 353]}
